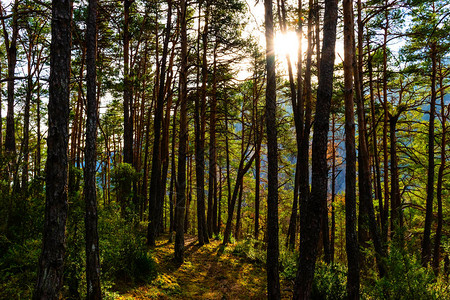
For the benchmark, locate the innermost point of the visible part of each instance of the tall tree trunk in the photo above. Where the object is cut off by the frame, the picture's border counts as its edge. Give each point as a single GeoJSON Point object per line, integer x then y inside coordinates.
{"type": "Point", "coordinates": [172, 173]}
{"type": "Point", "coordinates": [181, 182]}
{"type": "Point", "coordinates": [155, 211]}
{"type": "Point", "coordinates": [258, 136]}
{"type": "Point", "coordinates": [377, 181]}
{"type": "Point", "coordinates": [367, 213]}
{"type": "Point", "coordinates": [273, 282]}
{"type": "Point", "coordinates": [51, 262]}
{"type": "Point", "coordinates": [303, 151]}
{"type": "Point", "coordinates": [290, 241]}
{"type": "Point", "coordinates": [333, 188]}
{"type": "Point", "coordinates": [199, 115]}
{"type": "Point", "coordinates": [90, 192]}
{"type": "Point", "coordinates": [26, 128]}
{"type": "Point", "coordinates": [127, 92]}
{"type": "Point", "coordinates": [396, 213]}
{"type": "Point", "coordinates": [426, 242]}
{"type": "Point", "coordinates": [440, 179]}
{"type": "Point", "coordinates": [384, 222]}
{"type": "Point", "coordinates": [219, 208]}
{"type": "Point", "coordinates": [352, 246]}
{"type": "Point", "coordinates": [11, 53]}
{"type": "Point", "coordinates": [309, 235]}
{"type": "Point", "coordinates": [212, 180]}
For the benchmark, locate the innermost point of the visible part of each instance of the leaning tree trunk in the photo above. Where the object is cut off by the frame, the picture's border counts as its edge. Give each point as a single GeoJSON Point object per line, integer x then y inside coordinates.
{"type": "Point", "coordinates": [51, 262]}
{"type": "Point", "coordinates": [309, 234]}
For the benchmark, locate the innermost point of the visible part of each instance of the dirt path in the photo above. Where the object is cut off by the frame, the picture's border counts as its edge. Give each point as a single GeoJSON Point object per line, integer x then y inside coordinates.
{"type": "Point", "coordinates": [209, 272]}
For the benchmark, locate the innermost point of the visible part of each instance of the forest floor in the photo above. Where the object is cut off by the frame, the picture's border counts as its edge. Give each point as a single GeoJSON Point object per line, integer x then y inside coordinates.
{"type": "Point", "coordinates": [208, 272]}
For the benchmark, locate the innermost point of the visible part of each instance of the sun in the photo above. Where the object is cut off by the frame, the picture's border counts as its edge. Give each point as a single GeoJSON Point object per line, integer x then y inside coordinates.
{"type": "Point", "coordinates": [286, 44]}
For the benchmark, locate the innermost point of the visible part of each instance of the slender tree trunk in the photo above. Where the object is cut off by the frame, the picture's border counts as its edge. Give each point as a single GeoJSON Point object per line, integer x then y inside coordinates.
{"type": "Point", "coordinates": [313, 207]}
{"type": "Point", "coordinates": [11, 51]}
{"type": "Point", "coordinates": [219, 209]}
{"type": "Point", "coordinates": [333, 189]}
{"type": "Point", "coordinates": [90, 192]}
{"type": "Point", "coordinates": [396, 213]}
{"type": "Point", "coordinates": [258, 135]}
{"type": "Point", "coordinates": [203, 225]}
{"type": "Point", "coordinates": [290, 241]}
{"type": "Point", "coordinates": [367, 213]}
{"type": "Point", "coordinates": [212, 180]}
{"type": "Point", "coordinates": [378, 191]}
{"type": "Point", "coordinates": [384, 224]}
{"type": "Point", "coordinates": [240, 174]}
{"type": "Point", "coordinates": [172, 173]}
{"type": "Point", "coordinates": [437, 239]}
{"type": "Point", "coordinates": [273, 282]}
{"type": "Point", "coordinates": [352, 246]}
{"type": "Point", "coordinates": [181, 182]}
{"type": "Point", "coordinates": [303, 151]}
{"type": "Point", "coordinates": [51, 262]}
{"type": "Point", "coordinates": [127, 92]}
{"type": "Point", "coordinates": [426, 242]}
{"type": "Point", "coordinates": [26, 129]}
{"type": "Point", "coordinates": [155, 211]}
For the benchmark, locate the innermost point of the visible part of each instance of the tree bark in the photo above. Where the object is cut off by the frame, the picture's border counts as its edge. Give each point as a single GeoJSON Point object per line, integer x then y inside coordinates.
{"type": "Point", "coordinates": [199, 115]}
{"type": "Point", "coordinates": [426, 242]}
{"type": "Point", "coordinates": [440, 179]}
{"type": "Point", "coordinates": [181, 182]}
{"type": "Point", "coordinates": [351, 237]}
{"type": "Point", "coordinates": [155, 216]}
{"type": "Point", "coordinates": [310, 230]}
{"type": "Point", "coordinates": [11, 51]}
{"type": "Point", "coordinates": [51, 262]}
{"type": "Point", "coordinates": [90, 192]}
{"type": "Point", "coordinates": [273, 283]}
{"type": "Point", "coordinates": [212, 181]}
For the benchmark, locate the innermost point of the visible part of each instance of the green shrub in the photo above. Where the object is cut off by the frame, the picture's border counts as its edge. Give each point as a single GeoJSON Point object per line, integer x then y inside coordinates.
{"type": "Point", "coordinates": [288, 263]}
{"type": "Point", "coordinates": [250, 250]}
{"type": "Point", "coordinates": [330, 282]}
{"type": "Point", "coordinates": [18, 267]}
{"type": "Point", "coordinates": [123, 251]}
{"type": "Point", "coordinates": [405, 279]}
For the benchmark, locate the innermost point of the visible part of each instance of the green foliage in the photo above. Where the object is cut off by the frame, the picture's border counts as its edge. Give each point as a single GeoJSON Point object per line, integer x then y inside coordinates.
{"type": "Point", "coordinates": [20, 239]}
{"type": "Point", "coordinates": [251, 250]}
{"type": "Point", "coordinates": [18, 266]}
{"type": "Point", "coordinates": [330, 282]}
{"type": "Point", "coordinates": [123, 251]}
{"type": "Point", "coordinates": [288, 263]}
{"type": "Point", "coordinates": [405, 279]}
